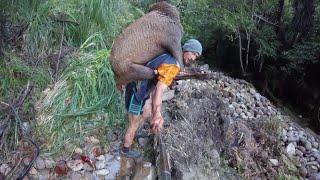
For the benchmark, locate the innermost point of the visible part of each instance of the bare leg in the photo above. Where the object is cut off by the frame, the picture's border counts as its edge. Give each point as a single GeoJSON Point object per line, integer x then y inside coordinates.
{"type": "Point", "coordinates": [135, 123]}
{"type": "Point", "coordinates": [133, 126]}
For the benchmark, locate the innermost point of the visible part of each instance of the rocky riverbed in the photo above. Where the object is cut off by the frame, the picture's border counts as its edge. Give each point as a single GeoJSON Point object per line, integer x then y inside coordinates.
{"type": "Point", "coordinates": [219, 128]}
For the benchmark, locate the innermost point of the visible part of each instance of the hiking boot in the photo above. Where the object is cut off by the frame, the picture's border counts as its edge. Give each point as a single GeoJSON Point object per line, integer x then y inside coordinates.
{"type": "Point", "coordinates": [132, 153]}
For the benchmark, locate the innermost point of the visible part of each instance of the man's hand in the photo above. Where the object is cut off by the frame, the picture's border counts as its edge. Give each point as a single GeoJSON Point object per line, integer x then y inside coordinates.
{"type": "Point", "coordinates": [157, 123]}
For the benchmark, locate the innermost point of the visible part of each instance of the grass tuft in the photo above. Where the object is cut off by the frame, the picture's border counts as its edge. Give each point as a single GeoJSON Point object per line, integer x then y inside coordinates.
{"type": "Point", "coordinates": [83, 101]}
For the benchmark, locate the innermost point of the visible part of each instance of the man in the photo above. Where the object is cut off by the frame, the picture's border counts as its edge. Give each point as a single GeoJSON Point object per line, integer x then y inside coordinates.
{"type": "Point", "coordinates": [146, 100]}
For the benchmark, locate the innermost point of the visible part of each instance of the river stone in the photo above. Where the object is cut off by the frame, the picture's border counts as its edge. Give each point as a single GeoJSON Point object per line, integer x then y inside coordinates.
{"type": "Point", "coordinates": [5, 169]}
{"type": "Point", "coordinates": [75, 165]}
{"type": "Point", "coordinates": [102, 172]}
{"type": "Point", "coordinates": [75, 176]}
{"type": "Point", "coordinates": [312, 158]}
{"type": "Point", "coordinates": [49, 163]}
{"type": "Point", "coordinates": [274, 162]}
{"type": "Point", "coordinates": [291, 150]}
{"type": "Point", "coordinates": [292, 137]}
{"type": "Point", "coordinates": [308, 145]}
{"type": "Point", "coordinates": [315, 176]}
{"type": "Point", "coordinates": [303, 171]}
{"type": "Point", "coordinates": [33, 171]}
{"type": "Point", "coordinates": [315, 144]}
{"type": "Point", "coordinates": [299, 153]}
{"type": "Point", "coordinates": [87, 167]}
{"type": "Point", "coordinates": [302, 149]}
{"type": "Point", "coordinates": [39, 164]}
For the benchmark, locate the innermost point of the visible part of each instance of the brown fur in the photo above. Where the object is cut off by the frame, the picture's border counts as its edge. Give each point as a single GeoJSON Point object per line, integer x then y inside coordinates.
{"type": "Point", "coordinates": [157, 32]}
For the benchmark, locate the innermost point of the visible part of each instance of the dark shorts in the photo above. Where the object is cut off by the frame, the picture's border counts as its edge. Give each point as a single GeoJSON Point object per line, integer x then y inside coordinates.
{"type": "Point", "coordinates": [134, 105]}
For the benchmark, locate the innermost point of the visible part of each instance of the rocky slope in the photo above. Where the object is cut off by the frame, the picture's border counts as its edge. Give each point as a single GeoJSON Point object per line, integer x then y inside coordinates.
{"type": "Point", "coordinates": [225, 122]}
{"type": "Point", "coordinates": [219, 128]}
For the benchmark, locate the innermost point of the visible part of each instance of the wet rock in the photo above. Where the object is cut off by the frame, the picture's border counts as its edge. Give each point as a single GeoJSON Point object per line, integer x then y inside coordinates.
{"type": "Point", "coordinates": [291, 150]}
{"type": "Point", "coordinates": [274, 162]}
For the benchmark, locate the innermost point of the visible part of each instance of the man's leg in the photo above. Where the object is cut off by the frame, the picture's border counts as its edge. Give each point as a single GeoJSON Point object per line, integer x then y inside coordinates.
{"type": "Point", "coordinates": [135, 122]}
{"type": "Point", "coordinates": [133, 127]}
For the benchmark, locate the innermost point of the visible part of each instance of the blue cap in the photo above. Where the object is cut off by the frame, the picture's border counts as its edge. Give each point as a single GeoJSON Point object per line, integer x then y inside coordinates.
{"type": "Point", "coordinates": [192, 45]}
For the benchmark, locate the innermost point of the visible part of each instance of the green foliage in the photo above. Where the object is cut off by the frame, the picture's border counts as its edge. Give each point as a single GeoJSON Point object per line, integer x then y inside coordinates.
{"type": "Point", "coordinates": [15, 73]}
{"type": "Point", "coordinates": [76, 20]}
{"type": "Point", "coordinates": [84, 100]}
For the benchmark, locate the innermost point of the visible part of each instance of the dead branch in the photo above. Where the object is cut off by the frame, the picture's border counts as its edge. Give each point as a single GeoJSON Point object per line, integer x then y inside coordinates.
{"type": "Point", "coordinates": [200, 76]}
{"type": "Point", "coordinates": [60, 49]}
{"type": "Point", "coordinates": [22, 97]}
{"type": "Point", "coordinates": [240, 50]}
{"type": "Point", "coordinates": [265, 20]}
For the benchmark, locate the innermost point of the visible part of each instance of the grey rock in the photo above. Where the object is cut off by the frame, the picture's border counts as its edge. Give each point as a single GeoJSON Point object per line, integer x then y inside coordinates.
{"type": "Point", "coordinates": [5, 169]}
{"type": "Point", "coordinates": [303, 161]}
{"type": "Point", "coordinates": [49, 163]}
{"type": "Point", "coordinates": [143, 141]}
{"type": "Point", "coordinates": [308, 145]}
{"type": "Point", "coordinates": [39, 164]}
{"type": "Point", "coordinates": [274, 162]}
{"type": "Point", "coordinates": [75, 165]}
{"type": "Point", "coordinates": [315, 144]}
{"type": "Point", "coordinates": [168, 95]}
{"type": "Point", "coordinates": [312, 163]}
{"type": "Point", "coordinates": [87, 167]}
{"type": "Point", "coordinates": [291, 150]}
{"type": "Point", "coordinates": [89, 176]}
{"type": "Point", "coordinates": [299, 153]}
{"type": "Point", "coordinates": [302, 149]}
{"type": "Point", "coordinates": [315, 176]}
{"type": "Point", "coordinates": [102, 172]}
{"type": "Point", "coordinates": [101, 162]}
{"type": "Point", "coordinates": [75, 175]}
{"type": "Point", "coordinates": [312, 158]}
{"type": "Point", "coordinates": [292, 137]}
{"type": "Point", "coordinates": [215, 156]}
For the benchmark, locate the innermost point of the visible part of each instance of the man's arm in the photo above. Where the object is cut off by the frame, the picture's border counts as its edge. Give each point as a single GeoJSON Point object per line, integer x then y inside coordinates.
{"type": "Point", "coordinates": [157, 120]}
